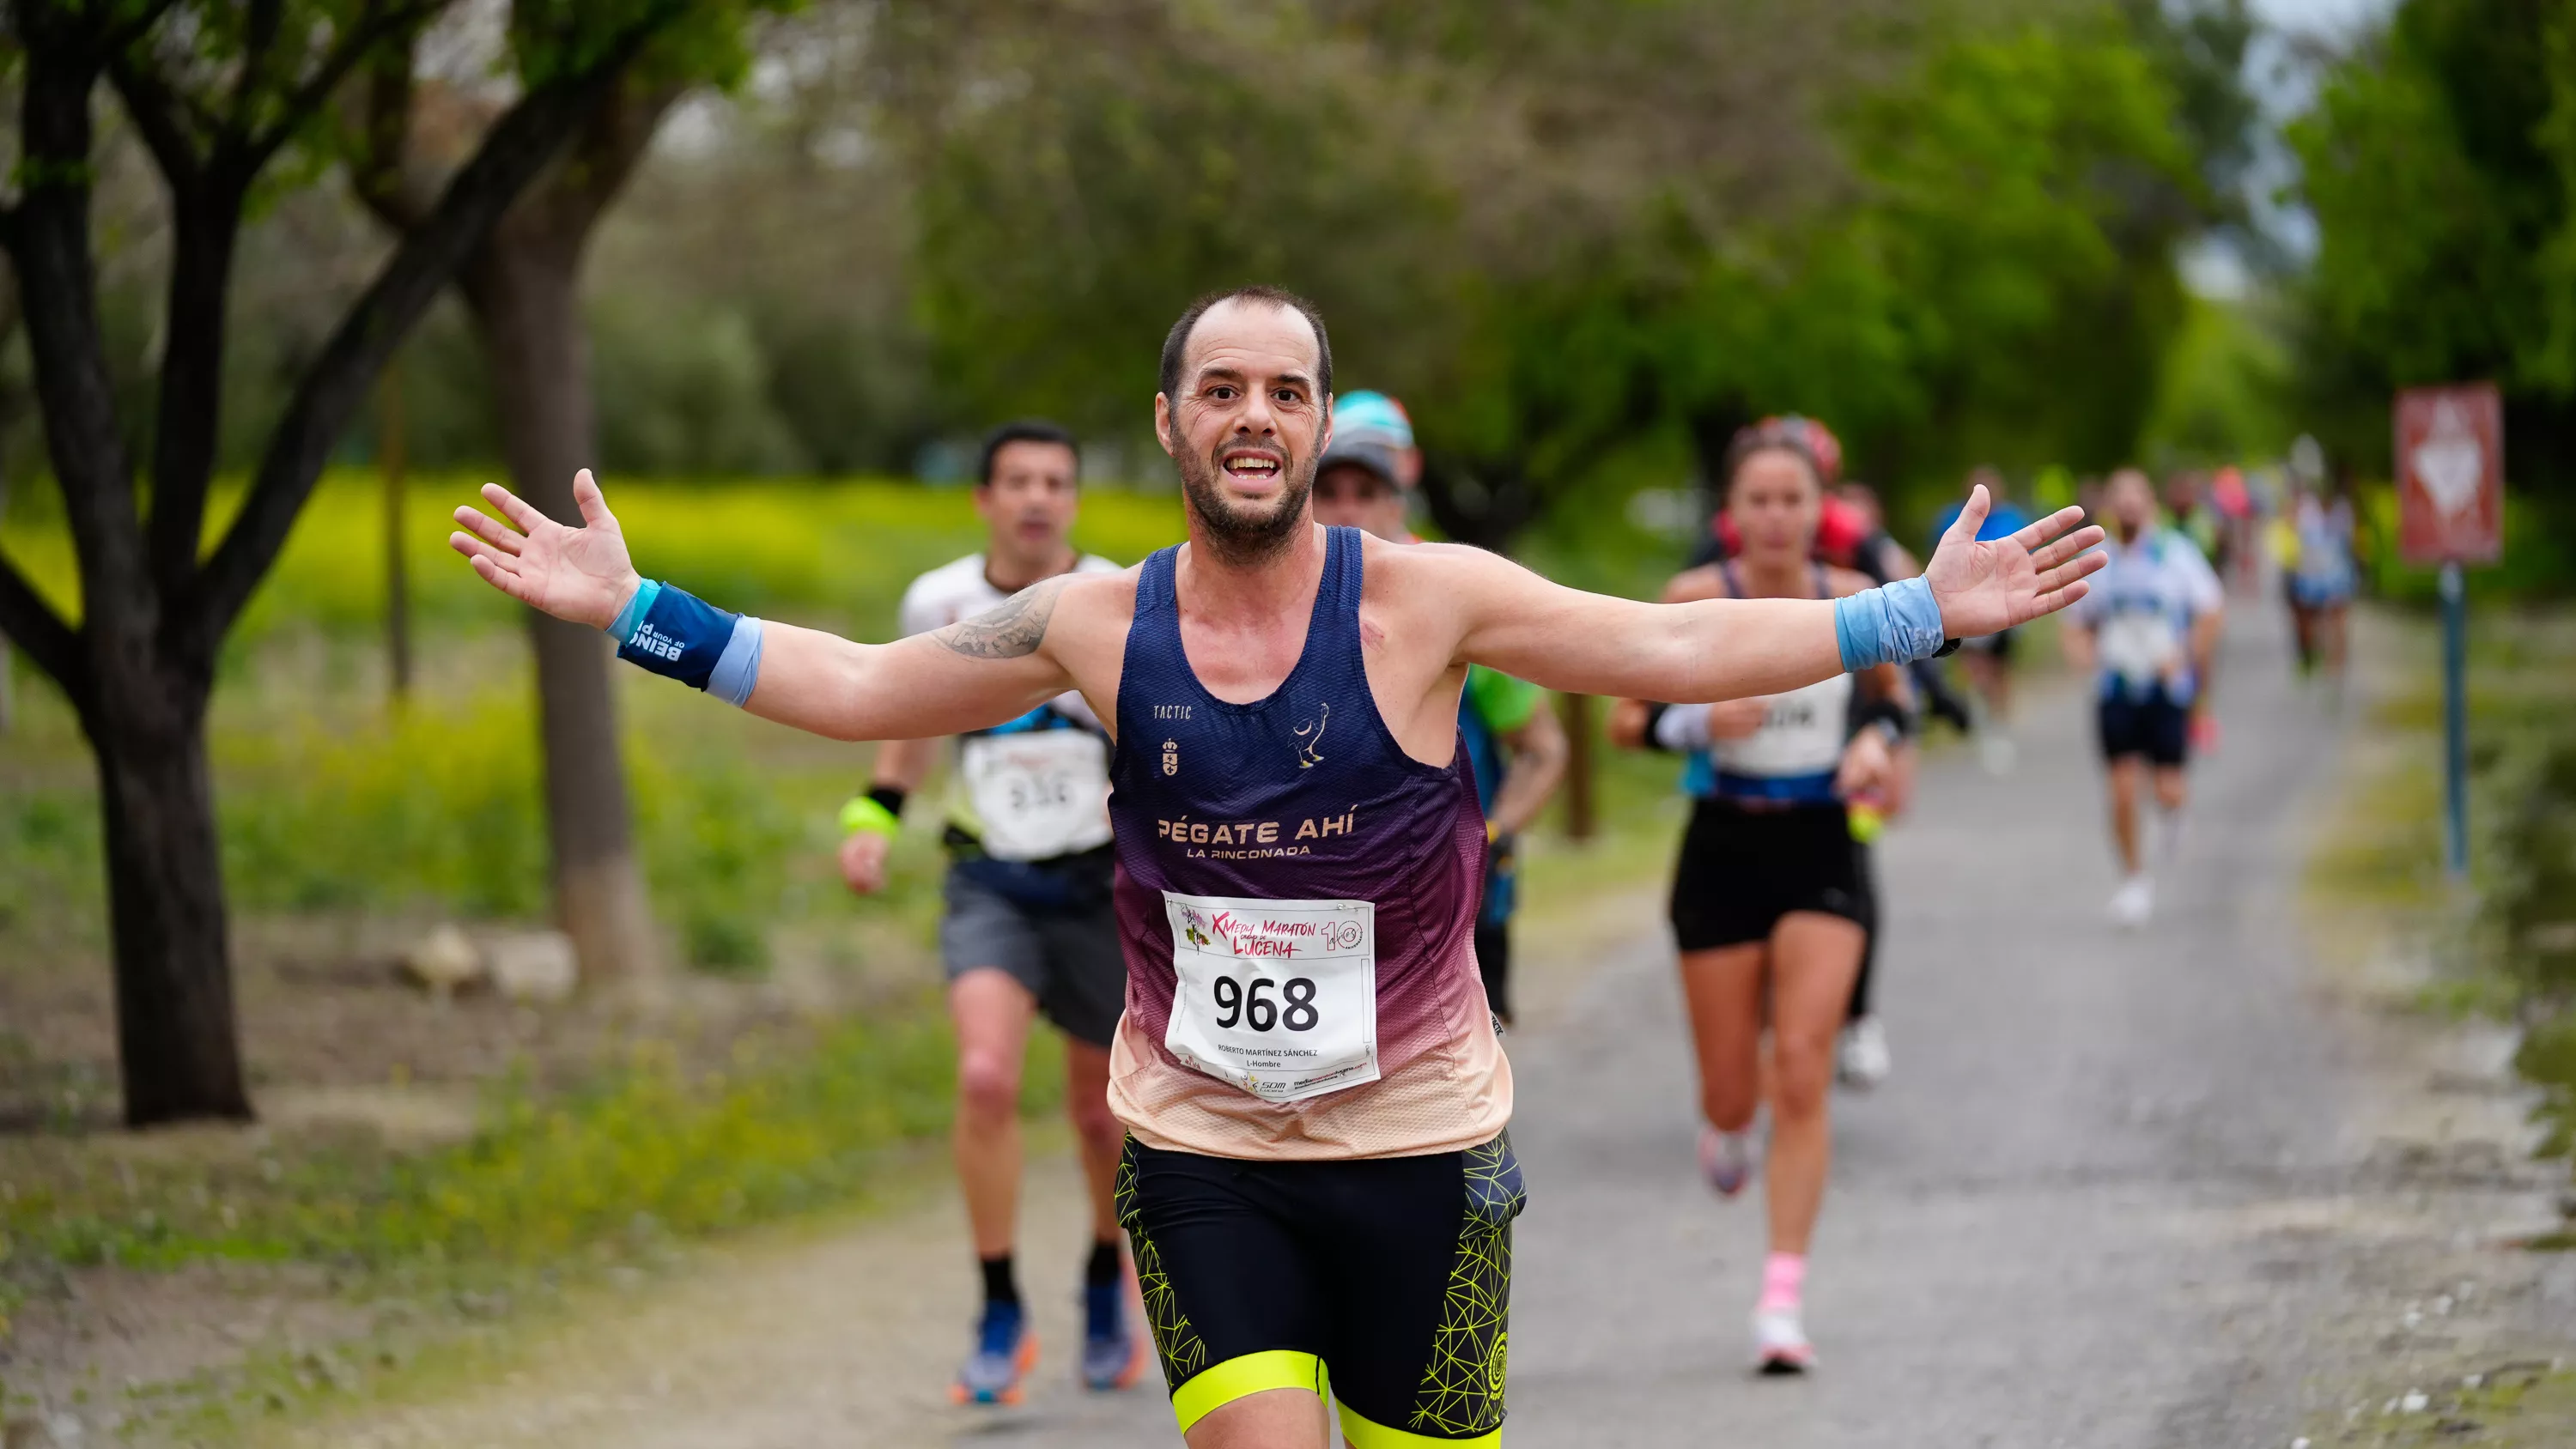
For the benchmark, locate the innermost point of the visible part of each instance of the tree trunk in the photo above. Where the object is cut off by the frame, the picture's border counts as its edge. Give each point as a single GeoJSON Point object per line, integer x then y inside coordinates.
{"type": "Point", "coordinates": [177, 1044]}
{"type": "Point", "coordinates": [1582, 816]}
{"type": "Point", "coordinates": [8, 682]}
{"type": "Point", "coordinates": [390, 458]}
{"type": "Point", "coordinates": [522, 286]}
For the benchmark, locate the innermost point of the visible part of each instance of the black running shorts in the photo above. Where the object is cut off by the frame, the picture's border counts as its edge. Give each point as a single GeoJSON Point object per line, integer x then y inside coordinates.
{"type": "Point", "coordinates": [1494, 961]}
{"type": "Point", "coordinates": [1742, 869]}
{"type": "Point", "coordinates": [1385, 1281]}
{"type": "Point", "coordinates": [2155, 727]}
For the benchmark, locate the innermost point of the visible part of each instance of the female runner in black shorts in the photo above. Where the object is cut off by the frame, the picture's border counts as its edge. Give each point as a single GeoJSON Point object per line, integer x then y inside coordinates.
{"type": "Point", "coordinates": [1768, 905]}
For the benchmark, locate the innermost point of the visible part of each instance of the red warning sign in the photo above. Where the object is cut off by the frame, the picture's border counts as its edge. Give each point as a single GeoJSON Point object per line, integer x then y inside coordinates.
{"type": "Point", "coordinates": [2450, 474]}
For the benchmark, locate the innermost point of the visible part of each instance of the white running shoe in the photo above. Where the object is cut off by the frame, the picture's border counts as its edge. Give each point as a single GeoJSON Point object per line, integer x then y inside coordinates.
{"type": "Point", "coordinates": [1726, 1159]}
{"type": "Point", "coordinates": [1861, 1059]}
{"type": "Point", "coordinates": [1780, 1342]}
{"type": "Point", "coordinates": [2133, 902]}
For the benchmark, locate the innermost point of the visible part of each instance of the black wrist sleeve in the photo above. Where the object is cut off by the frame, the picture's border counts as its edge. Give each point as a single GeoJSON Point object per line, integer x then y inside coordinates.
{"type": "Point", "coordinates": [1870, 711]}
{"type": "Point", "coordinates": [1654, 716]}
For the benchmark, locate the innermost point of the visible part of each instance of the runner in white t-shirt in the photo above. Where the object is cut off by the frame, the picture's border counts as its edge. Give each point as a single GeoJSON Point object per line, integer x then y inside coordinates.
{"type": "Point", "coordinates": [1029, 926]}
{"type": "Point", "coordinates": [2149, 634]}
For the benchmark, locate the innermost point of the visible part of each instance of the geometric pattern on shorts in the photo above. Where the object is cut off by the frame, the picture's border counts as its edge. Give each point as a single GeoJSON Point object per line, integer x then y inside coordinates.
{"type": "Point", "coordinates": [1176, 1343]}
{"type": "Point", "coordinates": [1462, 1388]}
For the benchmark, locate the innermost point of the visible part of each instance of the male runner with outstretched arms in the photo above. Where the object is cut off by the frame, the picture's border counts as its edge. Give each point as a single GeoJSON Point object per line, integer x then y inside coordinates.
{"type": "Point", "coordinates": [1316, 1172]}
{"type": "Point", "coordinates": [1028, 926]}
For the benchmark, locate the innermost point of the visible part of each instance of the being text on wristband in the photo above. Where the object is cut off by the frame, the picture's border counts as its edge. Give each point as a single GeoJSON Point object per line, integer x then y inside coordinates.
{"type": "Point", "coordinates": [677, 635]}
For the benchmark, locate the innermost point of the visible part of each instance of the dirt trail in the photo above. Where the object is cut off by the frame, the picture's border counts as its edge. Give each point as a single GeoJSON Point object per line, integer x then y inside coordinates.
{"type": "Point", "coordinates": [2180, 1188]}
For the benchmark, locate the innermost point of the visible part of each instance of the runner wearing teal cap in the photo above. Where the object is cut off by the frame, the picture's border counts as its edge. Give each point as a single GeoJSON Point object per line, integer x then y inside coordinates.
{"type": "Point", "coordinates": [1514, 742]}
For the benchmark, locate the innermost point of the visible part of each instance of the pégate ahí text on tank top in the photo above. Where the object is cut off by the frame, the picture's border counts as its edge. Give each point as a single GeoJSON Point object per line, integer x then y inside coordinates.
{"type": "Point", "coordinates": [1297, 901]}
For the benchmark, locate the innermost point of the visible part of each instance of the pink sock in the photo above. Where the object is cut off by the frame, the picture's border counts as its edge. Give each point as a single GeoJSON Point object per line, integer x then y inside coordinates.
{"type": "Point", "coordinates": [1784, 1276]}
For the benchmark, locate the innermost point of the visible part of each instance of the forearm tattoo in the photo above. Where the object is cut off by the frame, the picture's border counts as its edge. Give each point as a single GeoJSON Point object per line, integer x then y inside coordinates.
{"type": "Point", "coordinates": [1012, 629]}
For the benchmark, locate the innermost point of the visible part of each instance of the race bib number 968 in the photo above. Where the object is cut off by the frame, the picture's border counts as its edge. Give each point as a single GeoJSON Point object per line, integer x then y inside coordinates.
{"type": "Point", "coordinates": [1277, 997]}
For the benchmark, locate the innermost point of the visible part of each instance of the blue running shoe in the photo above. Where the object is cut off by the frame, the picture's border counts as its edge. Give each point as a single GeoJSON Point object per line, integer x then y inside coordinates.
{"type": "Point", "coordinates": [1004, 1353]}
{"type": "Point", "coordinates": [1112, 1357]}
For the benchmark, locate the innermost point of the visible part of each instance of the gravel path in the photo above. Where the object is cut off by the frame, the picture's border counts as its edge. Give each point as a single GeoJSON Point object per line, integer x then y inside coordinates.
{"type": "Point", "coordinates": [2179, 1187]}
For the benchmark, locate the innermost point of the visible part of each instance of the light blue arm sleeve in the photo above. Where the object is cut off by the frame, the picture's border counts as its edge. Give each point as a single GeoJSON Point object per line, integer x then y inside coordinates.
{"type": "Point", "coordinates": [738, 668]}
{"type": "Point", "coordinates": [1891, 624]}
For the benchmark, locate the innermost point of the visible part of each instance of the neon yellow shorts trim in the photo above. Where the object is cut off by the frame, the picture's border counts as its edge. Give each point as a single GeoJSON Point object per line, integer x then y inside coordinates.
{"type": "Point", "coordinates": [1220, 1384]}
{"type": "Point", "coordinates": [1368, 1434]}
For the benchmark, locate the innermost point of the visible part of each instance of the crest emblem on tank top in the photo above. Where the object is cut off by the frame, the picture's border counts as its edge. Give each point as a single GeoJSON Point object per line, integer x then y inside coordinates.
{"type": "Point", "coordinates": [1171, 757]}
{"type": "Point", "coordinates": [1310, 734]}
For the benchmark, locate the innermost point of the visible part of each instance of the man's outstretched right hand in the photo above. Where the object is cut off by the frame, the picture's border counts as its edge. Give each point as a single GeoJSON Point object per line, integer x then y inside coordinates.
{"type": "Point", "coordinates": [580, 574]}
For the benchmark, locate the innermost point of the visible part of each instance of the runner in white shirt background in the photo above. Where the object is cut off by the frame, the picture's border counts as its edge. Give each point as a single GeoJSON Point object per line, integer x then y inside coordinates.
{"type": "Point", "coordinates": [1028, 925]}
{"type": "Point", "coordinates": [2148, 632]}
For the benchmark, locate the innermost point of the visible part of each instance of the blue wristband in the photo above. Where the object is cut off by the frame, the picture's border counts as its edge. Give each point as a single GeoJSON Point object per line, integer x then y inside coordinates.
{"type": "Point", "coordinates": [1891, 624]}
{"type": "Point", "coordinates": [679, 636]}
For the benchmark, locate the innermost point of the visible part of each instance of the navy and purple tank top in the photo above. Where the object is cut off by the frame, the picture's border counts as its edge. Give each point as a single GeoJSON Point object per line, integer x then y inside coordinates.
{"type": "Point", "coordinates": [1297, 900]}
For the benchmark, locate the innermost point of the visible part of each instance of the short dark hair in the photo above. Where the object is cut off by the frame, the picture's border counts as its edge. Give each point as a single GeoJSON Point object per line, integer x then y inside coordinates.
{"type": "Point", "coordinates": [1762, 438]}
{"type": "Point", "coordinates": [1177, 341]}
{"type": "Point", "coordinates": [1025, 430]}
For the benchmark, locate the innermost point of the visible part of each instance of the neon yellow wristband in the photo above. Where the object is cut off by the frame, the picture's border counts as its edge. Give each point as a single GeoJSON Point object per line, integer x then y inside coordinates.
{"type": "Point", "coordinates": [862, 813]}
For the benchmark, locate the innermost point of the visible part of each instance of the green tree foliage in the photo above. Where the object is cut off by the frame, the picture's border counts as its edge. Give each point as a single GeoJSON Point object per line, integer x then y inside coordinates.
{"type": "Point", "coordinates": [2226, 389]}
{"type": "Point", "coordinates": [2438, 163]}
{"type": "Point", "coordinates": [2029, 190]}
{"type": "Point", "coordinates": [1561, 233]}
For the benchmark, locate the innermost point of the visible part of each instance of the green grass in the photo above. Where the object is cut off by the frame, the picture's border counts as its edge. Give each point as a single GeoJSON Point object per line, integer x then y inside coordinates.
{"type": "Point", "coordinates": [644, 1150]}
{"type": "Point", "coordinates": [2509, 1406]}
{"type": "Point", "coordinates": [2505, 947]}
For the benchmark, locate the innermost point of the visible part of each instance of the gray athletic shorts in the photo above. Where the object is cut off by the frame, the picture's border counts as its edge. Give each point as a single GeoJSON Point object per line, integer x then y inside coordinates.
{"type": "Point", "coordinates": [1069, 960]}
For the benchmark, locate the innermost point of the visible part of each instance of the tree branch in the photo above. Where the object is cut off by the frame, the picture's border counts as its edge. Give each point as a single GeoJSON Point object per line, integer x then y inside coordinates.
{"type": "Point", "coordinates": [381, 171]}
{"type": "Point", "coordinates": [50, 251]}
{"type": "Point", "coordinates": [259, 40]}
{"type": "Point", "coordinates": [137, 26]}
{"type": "Point", "coordinates": [337, 383]}
{"type": "Point", "coordinates": [205, 227]}
{"type": "Point", "coordinates": [33, 625]}
{"type": "Point", "coordinates": [162, 115]}
{"type": "Point", "coordinates": [379, 25]}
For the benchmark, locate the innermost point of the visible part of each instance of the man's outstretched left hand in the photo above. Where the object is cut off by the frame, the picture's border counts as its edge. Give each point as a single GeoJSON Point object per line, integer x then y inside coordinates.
{"type": "Point", "coordinates": [1985, 587]}
{"type": "Point", "coordinates": [580, 574]}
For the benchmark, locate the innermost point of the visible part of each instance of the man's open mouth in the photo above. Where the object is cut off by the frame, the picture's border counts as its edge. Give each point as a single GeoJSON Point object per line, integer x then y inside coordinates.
{"type": "Point", "coordinates": [1249, 464]}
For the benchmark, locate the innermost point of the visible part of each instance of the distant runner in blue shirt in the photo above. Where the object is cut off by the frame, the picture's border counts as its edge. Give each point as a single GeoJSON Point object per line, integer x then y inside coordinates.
{"type": "Point", "coordinates": [1989, 660]}
{"type": "Point", "coordinates": [2148, 633]}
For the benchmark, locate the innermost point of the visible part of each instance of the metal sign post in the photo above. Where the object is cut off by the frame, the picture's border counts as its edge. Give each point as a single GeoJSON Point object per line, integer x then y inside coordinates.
{"type": "Point", "coordinates": [2450, 510]}
{"type": "Point", "coordinates": [2455, 721]}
